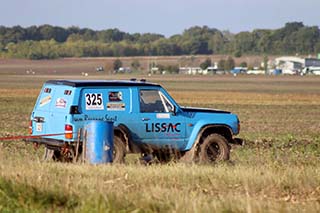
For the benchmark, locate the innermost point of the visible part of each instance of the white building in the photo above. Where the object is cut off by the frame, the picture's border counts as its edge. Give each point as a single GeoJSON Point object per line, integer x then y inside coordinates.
{"type": "Point", "coordinates": [212, 69]}
{"type": "Point", "coordinates": [255, 72]}
{"type": "Point", "coordinates": [190, 70]}
{"type": "Point", "coordinates": [289, 65]}
{"type": "Point", "coordinates": [197, 70]}
{"type": "Point", "coordinates": [295, 65]}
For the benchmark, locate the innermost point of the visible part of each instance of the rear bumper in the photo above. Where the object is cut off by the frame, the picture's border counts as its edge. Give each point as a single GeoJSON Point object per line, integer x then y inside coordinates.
{"type": "Point", "coordinates": [49, 141]}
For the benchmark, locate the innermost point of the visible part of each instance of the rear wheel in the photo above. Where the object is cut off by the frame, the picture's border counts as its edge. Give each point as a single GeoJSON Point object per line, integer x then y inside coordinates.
{"type": "Point", "coordinates": [60, 155]}
{"type": "Point", "coordinates": [119, 150]}
{"type": "Point", "coordinates": [68, 155]}
{"type": "Point", "coordinates": [214, 148]}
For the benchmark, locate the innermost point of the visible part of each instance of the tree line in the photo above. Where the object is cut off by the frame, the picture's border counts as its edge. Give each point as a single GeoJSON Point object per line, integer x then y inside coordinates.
{"type": "Point", "coordinates": [48, 42]}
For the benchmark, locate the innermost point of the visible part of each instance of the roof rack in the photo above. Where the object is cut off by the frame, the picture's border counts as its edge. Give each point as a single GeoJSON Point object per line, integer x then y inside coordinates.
{"type": "Point", "coordinates": [87, 83]}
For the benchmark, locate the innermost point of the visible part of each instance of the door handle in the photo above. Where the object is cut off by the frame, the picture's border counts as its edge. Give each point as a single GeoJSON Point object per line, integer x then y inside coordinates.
{"type": "Point", "coordinates": [145, 119]}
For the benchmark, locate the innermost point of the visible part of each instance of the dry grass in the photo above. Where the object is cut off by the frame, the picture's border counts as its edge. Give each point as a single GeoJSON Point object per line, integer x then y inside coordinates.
{"type": "Point", "coordinates": [276, 171]}
{"type": "Point", "coordinates": [177, 187]}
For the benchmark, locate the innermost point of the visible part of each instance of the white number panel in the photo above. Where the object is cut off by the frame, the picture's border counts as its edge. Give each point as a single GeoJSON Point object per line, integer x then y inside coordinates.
{"type": "Point", "coordinates": [94, 101]}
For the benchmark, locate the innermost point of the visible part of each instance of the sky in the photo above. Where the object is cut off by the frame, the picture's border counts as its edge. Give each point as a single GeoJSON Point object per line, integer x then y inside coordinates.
{"type": "Point", "coordinates": [167, 17]}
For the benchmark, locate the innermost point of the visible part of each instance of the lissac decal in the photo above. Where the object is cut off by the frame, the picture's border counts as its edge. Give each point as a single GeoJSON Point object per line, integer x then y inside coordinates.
{"type": "Point", "coordinates": [162, 127]}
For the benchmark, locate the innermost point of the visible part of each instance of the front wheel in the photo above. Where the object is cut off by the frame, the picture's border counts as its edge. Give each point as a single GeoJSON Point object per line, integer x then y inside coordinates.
{"type": "Point", "coordinates": [214, 148]}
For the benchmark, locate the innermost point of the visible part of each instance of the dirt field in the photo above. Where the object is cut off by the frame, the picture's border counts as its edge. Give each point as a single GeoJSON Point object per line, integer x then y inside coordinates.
{"type": "Point", "coordinates": [76, 66]}
{"type": "Point", "coordinates": [276, 171]}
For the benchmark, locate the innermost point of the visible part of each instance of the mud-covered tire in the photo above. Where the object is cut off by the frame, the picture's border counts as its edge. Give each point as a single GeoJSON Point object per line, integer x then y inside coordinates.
{"type": "Point", "coordinates": [213, 149]}
{"type": "Point", "coordinates": [119, 150]}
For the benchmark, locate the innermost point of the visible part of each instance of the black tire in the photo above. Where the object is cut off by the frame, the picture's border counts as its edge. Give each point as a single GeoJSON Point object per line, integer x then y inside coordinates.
{"type": "Point", "coordinates": [214, 148]}
{"type": "Point", "coordinates": [119, 150]}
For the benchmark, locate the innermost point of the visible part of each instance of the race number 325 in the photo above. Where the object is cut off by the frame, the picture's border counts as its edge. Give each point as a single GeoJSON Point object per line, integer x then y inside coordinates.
{"type": "Point", "coordinates": [94, 101]}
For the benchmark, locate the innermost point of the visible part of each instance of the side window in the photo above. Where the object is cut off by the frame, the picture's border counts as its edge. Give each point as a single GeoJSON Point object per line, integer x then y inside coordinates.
{"type": "Point", "coordinates": [105, 99]}
{"type": "Point", "coordinates": [150, 101]}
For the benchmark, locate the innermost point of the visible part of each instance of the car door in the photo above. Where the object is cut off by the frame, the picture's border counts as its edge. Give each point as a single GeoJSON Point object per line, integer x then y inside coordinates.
{"type": "Point", "coordinates": [156, 122]}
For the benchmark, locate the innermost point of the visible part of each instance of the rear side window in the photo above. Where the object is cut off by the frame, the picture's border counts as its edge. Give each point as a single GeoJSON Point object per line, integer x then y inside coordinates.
{"type": "Point", "coordinates": [102, 100]}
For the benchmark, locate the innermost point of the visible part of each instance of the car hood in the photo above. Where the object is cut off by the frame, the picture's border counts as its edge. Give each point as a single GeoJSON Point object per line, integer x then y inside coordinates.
{"type": "Point", "coordinates": [203, 116]}
{"type": "Point", "coordinates": [205, 110]}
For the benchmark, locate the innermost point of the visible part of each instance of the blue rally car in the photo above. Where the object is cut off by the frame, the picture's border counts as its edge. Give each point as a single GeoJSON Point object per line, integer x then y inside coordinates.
{"type": "Point", "coordinates": [146, 120]}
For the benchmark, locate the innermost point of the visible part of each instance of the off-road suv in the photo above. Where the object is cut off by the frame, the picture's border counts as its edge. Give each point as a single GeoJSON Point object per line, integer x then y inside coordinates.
{"type": "Point", "coordinates": [146, 120]}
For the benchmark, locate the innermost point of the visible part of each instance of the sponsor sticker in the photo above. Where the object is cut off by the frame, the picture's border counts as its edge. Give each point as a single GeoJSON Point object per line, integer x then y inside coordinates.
{"type": "Point", "coordinates": [163, 127]}
{"type": "Point", "coordinates": [45, 100]}
{"type": "Point", "coordinates": [39, 127]}
{"type": "Point", "coordinates": [116, 106]}
{"type": "Point", "coordinates": [163, 115]}
{"type": "Point", "coordinates": [61, 103]}
{"type": "Point", "coordinates": [115, 96]}
{"type": "Point", "coordinates": [94, 101]}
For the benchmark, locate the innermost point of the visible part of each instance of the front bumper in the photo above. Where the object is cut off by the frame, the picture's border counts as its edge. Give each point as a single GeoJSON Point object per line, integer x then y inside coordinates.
{"type": "Point", "coordinates": [237, 141]}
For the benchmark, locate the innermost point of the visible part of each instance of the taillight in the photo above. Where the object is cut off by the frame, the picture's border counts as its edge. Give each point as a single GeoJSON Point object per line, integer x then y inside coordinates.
{"type": "Point", "coordinates": [30, 127]}
{"type": "Point", "coordinates": [68, 131]}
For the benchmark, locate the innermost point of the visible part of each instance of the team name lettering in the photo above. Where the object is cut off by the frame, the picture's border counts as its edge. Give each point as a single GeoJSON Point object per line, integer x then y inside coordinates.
{"type": "Point", "coordinates": [162, 127]}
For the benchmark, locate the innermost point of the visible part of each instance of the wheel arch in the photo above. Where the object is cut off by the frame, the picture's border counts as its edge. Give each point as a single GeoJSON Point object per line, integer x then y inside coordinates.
{"type": "Point", "coordinates": [223, 130]}
{"type": "Point", "coordinates": [206, 130]}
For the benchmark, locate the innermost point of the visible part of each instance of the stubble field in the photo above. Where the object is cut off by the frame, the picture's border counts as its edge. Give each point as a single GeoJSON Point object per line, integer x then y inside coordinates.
{"type": "Point", "coordinates": [277, 170]}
